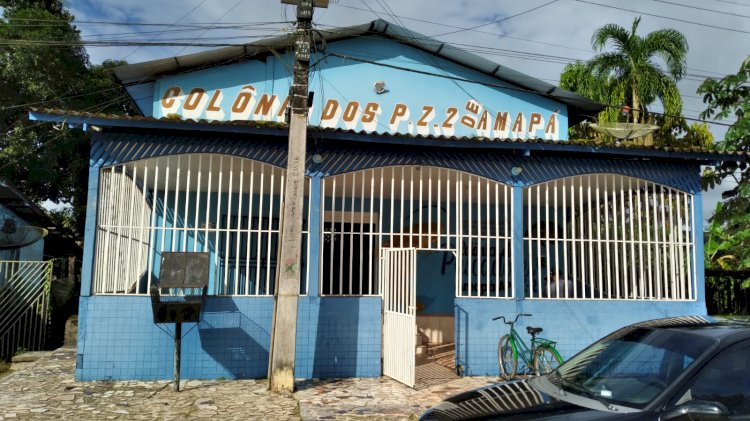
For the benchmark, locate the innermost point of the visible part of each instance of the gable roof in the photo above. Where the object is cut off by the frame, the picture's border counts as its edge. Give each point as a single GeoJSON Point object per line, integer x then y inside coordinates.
{"type": "Point", "coordinates": [579, 107]}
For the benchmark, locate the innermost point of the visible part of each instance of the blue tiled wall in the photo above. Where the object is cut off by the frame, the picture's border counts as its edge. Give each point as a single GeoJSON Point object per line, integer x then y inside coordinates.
{"type": "Point", "coordinates": [117, 340]}
{"type": "Point", "coordinates": [336, 337]}
{"type": "Point", "coordinates": [574, 324]}
{"type": "Point", "coordinates": [339, 337]}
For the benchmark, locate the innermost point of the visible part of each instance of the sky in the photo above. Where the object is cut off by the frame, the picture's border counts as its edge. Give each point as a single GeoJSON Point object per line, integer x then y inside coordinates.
{"type": "Point", "coordinates": [535, 37]}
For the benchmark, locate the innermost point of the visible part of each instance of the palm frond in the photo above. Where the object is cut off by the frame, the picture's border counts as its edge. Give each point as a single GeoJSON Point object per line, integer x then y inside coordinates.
{"type": "Point", "coordinates": [605, 64]}
{"type": "Point", "coordinates": [671, 46]}
{"type": "Point", "coordinates": [618, 35]}
{"type": "Point", "coordinates": [670, 96]}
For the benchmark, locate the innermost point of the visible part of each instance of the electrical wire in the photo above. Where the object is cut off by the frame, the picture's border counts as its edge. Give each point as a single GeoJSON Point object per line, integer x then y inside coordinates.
{"type": "Point", "coordinates": [226, 25]}
{"type": "Point", "coordinates": [665, 17]}
{"type": "Point", "coordinates": [702, 8]}
{"type": "Point", "coordinates": [498, 20]}
{"type": "Point", "coordinates": [217, 21]}
{"type": "Point", "coordinates": [495, 85]}
{"type": "Point", "coordinates": [177, 21]}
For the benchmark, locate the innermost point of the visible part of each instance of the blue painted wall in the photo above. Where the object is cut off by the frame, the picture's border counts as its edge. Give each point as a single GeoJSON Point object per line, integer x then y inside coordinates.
{"type": "Point", "coordinates": [573, 324]}
{"type": "Point", "coordinates": [339, 337]}
{"type": "Point", "coordinates": [119, 341]}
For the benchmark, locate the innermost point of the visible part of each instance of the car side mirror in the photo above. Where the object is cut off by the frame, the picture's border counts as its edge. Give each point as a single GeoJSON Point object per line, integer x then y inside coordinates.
{"type": "Point", "coordinates": [697, 411]}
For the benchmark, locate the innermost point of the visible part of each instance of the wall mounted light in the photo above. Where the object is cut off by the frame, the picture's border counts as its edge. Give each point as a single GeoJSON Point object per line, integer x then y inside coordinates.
{"type": "Point", "coordinates": [379, 87]}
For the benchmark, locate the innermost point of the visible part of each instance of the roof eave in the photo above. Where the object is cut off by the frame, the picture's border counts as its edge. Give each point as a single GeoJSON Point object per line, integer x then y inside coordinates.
{"type": "Point", "coordinates": [528, 147]}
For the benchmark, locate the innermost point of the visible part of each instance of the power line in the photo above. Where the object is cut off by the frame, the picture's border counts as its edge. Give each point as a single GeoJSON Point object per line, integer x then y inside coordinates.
{"type": "Point", "coordinates": [494, 85]}
{"type": "Point", "coordinates": [664, 17]}
{"type": "Point", "coordinates": [217, 21]}
{"type": "Point", "coordinates": [177, 21]}
{"type": "Point", "coordinates": [31, 104]}
{"type": "Point", "coordinates": [468, 29]}
{"type": "Point", "coordinates": [701, 8]}
{"type": "Point", "coordinates": [498, 20]}
{"type": "Point", "coordinates": [58, 22]}
{"type": "Point", "coordinates": [175, 31]}
{"type": "Point", "coordinates": [734, 2]}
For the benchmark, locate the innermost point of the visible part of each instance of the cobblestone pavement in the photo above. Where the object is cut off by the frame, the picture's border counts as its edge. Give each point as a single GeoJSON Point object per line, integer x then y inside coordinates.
{"type": "Point", "coordinates": [45, 389]}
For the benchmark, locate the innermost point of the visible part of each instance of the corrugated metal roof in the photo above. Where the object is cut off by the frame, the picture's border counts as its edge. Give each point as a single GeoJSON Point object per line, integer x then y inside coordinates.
{"type": "Point", "coordinates": [579, 106]}
{"type": "Point", "coordinates": [281, 129]}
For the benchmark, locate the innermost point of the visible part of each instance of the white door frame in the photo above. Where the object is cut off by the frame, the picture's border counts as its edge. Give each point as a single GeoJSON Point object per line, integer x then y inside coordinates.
{"type": "Point", "coordinates": [398, 281]}
{"type": "Point", "coordinates": [398, 274]}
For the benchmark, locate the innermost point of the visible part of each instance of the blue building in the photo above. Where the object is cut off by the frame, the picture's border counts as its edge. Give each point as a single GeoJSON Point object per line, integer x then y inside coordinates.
{"type": "Point", "coordinates": [441, 191]}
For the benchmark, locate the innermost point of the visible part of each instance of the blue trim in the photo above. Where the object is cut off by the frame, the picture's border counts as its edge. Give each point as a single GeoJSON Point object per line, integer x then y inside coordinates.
{"type": "Point", "coordinates": [118, 148]}
{"type": "Point", "coordinates": [528, 147]}
{"type": "Point", "coordinates": [315, 230]}
{"type": "Point", "coordinates": [89, 235]}
{"type": "Point", "coordinates": [517, 192]}
{"type": "Point", "coordinates": [343, 159]}
{"type": "Point", "coordinates": [699, 274]}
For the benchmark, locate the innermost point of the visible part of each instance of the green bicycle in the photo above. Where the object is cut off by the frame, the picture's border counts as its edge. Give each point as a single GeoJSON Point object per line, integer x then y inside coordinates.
{"type": "Point", "coordinates": [542, 356]}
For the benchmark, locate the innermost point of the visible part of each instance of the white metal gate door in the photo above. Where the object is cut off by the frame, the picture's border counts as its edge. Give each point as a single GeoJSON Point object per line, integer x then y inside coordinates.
{"type": "Point", "coordinates": [398, 276]}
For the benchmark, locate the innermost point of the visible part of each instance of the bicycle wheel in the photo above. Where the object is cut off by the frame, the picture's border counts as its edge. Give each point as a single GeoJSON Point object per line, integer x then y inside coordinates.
{"type": "Point", "coordinates": [546, 359]}
{"type": "Point", "coordinates": [507, 358]}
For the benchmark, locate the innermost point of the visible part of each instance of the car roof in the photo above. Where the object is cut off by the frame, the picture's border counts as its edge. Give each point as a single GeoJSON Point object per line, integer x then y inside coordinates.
{"type": "Point", "coordinates": [700, 325]}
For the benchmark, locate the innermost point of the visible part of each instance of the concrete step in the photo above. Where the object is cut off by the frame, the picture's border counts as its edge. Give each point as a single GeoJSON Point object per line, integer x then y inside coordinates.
{"type": "Point", "coordinates": [29, 357]}
{"type": "Point", "coordinates": [435, 349]}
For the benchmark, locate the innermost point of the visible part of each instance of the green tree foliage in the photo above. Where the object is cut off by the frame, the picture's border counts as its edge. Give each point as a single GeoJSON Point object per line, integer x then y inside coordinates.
{"type": "Point", "coordinates": [632, 65]}
{"type": "Point", "coordinates": [576, 77]}
{"type": "Point", "coordinates": [48, 162]}
{"type": "Point", "coordinates": [629, 75]}
{"type": "Point", "coordinates": [729, 242]}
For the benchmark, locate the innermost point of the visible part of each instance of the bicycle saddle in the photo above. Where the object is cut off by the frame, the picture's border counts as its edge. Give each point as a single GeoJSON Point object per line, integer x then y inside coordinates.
{"type": "Point", "coordinates": [533, 330]}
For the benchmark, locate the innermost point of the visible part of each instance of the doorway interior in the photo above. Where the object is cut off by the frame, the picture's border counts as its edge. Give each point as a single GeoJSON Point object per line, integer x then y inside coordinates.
{"type": "Point", "coordinates": [418, 300]}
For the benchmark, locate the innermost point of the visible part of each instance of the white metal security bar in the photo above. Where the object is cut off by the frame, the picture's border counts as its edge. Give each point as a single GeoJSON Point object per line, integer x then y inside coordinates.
{"type": "Point", "coordinates": [398, 273]}
{"type": "Point", "coordinates": [24, 305]}
{"type": "Point", "coordinates": [227, 206]}
{"type": "Point", "coordinates": [605, 236]}
{"type": "Point", "coordinates": [419, 207]}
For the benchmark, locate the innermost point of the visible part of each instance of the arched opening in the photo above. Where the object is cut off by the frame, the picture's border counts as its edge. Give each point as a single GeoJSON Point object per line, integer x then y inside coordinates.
{"type": "Point", "coordinates": [420, 237]}
{"type": "Point", "coordinates": [608, 237]}
{"type": "Point", "coordinates": [227, 206]}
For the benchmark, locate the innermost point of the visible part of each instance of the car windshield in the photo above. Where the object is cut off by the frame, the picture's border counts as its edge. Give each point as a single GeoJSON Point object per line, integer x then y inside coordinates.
{"type": "Point", "coordinates": [630, 368]}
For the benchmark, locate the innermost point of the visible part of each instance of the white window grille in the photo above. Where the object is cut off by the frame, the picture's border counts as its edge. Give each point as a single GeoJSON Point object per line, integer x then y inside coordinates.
{"type": "Point", "coordinates": [419, 207]}
{"type": "Point", "coordinates": [605, 236]}
{"type": "Point", "coordinates": [227, 206]}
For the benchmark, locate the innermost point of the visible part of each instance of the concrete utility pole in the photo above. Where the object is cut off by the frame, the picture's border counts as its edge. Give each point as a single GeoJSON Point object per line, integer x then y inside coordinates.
{"type": "Point", "coordinates": [284, 334]}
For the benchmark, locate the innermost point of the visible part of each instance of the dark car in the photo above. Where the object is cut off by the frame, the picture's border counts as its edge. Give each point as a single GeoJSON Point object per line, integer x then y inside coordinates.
{"type": "Point", "coordinates": [685, 368]}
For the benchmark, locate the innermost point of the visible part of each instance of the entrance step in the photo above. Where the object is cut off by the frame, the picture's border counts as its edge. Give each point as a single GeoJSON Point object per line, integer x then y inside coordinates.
{"type": "Point", "coordinates": [432, 374]}
{"type": "Point", "coordinates": [436, 349]}
{"type": "Point", "coordinates": [443, 354]}
{"type": "Point", "coordinates": [421, 355]}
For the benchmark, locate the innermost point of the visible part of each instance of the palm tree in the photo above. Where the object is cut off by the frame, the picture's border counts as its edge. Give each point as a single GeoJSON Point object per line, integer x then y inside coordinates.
{"type": "Point", "coordinates": [632, 68]}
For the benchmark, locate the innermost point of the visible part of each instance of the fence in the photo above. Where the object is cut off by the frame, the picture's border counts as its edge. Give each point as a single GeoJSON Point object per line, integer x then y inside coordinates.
{"type": "Point", "coordinates": [24, 305]}
{"type": "Point", "coordinates": [725, 295]}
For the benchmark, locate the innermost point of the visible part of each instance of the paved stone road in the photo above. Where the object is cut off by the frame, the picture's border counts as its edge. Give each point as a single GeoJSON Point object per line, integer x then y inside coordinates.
{"type": "Point", "coordinates": [45, 389]}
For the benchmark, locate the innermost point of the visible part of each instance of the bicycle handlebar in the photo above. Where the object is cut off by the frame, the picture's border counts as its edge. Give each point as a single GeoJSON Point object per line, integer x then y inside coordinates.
{"type": "Point", "coordinates": [514, 320]}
